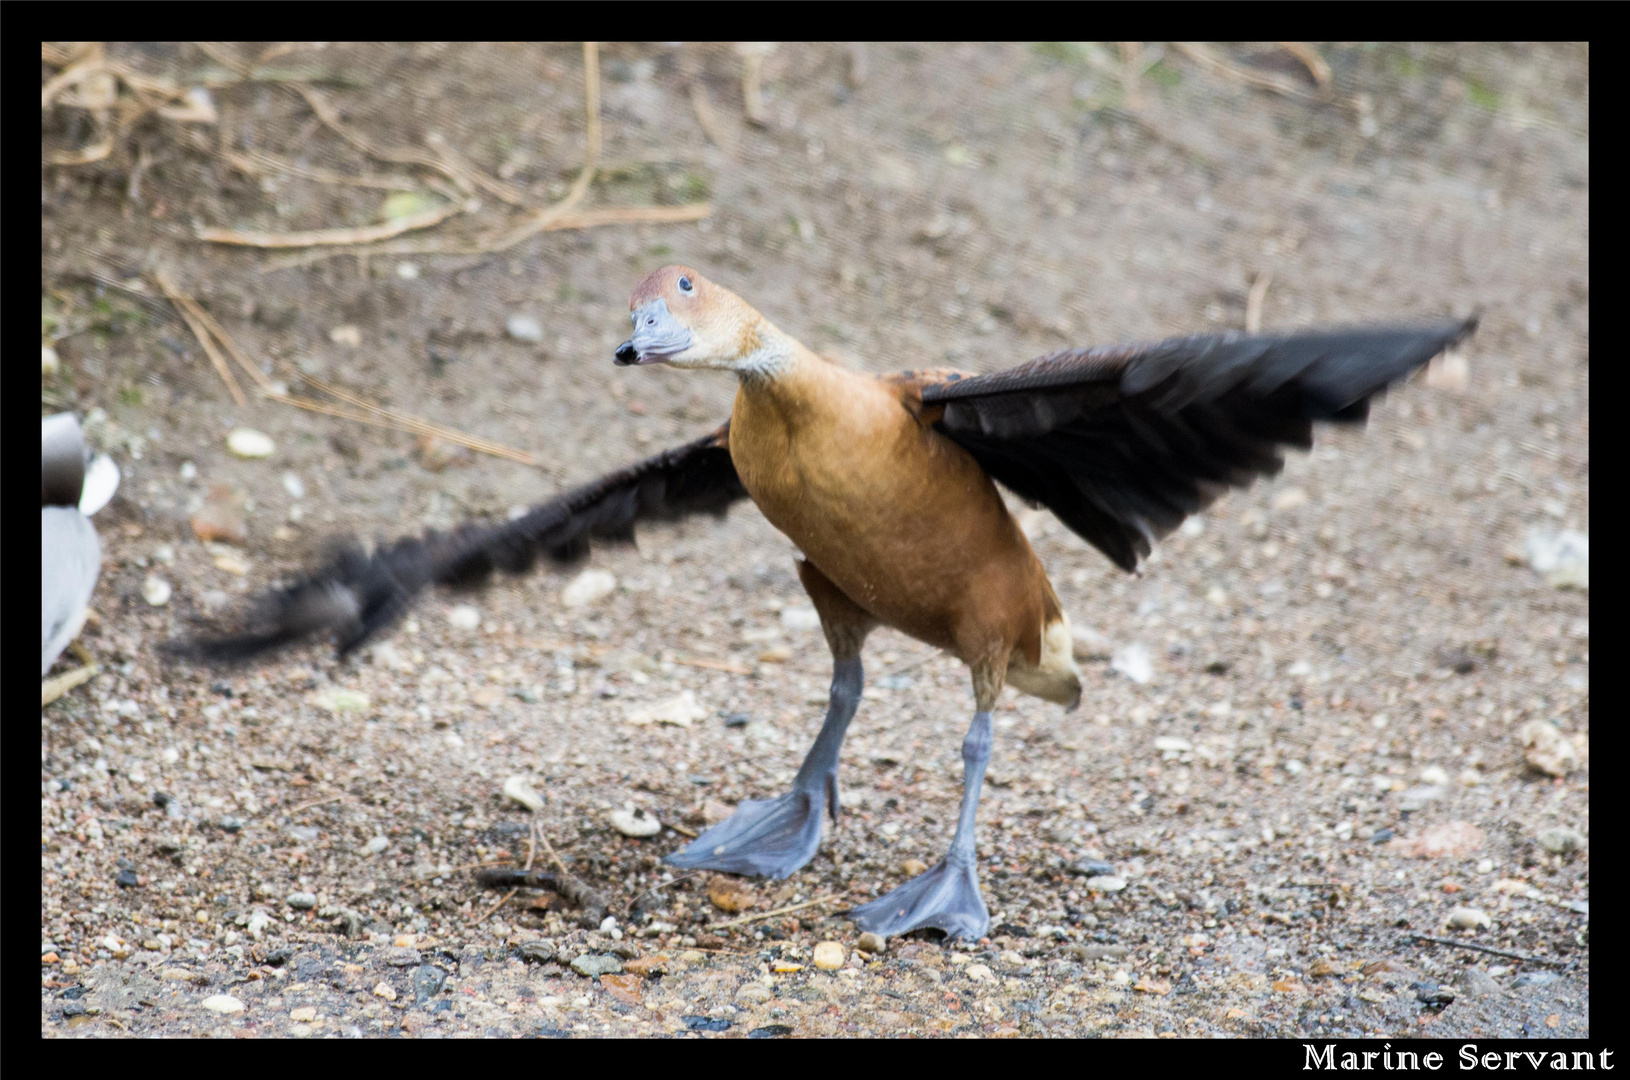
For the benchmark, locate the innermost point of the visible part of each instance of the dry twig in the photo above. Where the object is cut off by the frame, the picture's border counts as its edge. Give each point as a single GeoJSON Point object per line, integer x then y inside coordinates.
{"type": "Point", "coordinates": [51, 689]}
{"type": "Point", "coordinates": [1253, 302]}
{"type": "Point", "coordinates": [203, 336]}
{"type": "Point", "coordinates": [1544, 961]}
{"type": "Point", "coordinates": [771, 914]}
{"type": "Point", "coordinates": [367, 234]}
{"type": "Point", "coordinates": [1310, 58]}
{"type": "Point", "coordinates": [1203, 56]}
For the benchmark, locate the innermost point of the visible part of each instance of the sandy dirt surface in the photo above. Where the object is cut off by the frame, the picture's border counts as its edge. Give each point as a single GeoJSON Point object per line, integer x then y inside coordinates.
{"type": "Point", "coordinates": [1326, 756]}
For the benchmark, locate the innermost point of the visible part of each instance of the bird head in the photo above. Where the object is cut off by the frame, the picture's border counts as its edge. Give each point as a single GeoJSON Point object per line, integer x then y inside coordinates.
{"type": "Point", "coordinates": [683, 319]}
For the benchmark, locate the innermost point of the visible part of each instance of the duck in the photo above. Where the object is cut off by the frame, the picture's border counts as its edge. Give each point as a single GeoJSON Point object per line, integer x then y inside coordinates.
{"type": "Point", "coordinates": [890, 486]}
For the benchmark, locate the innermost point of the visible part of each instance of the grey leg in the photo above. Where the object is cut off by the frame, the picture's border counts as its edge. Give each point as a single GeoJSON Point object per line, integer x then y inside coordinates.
{"type": "Point", "coordinates": [947, 896]}
{"type": "Point", "coordinates": [774, 837]}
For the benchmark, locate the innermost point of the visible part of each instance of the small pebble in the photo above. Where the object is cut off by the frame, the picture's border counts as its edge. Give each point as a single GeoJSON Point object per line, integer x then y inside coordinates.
{"type": "Point", "coordinates": [681, 711]}
{"type": "Point", "coordinates": [1467, 918]}
{"type": "Point", "coordinates": [829, 956]}
{"type": "Point", "coordinates": [800, 618]}
{"type": "Point", "coordinates": [305, 1014]}
{"type": "Point", "coordinates": [776, 654]}
{"type": "Point", "coordinates": [537, 952]}
{"type": "Point", "coordinates": [295, 486]}
{"type": "Point", "coordinates": [587, 587]}
{"type": "Point", "coordinates": [49, 364]}
{"type": "Point", "coordinates": [156, 591]}
{"type": "Point", "coordinates": [1133, 662]}
{"type": "Point", "coordinates": [1547, 749]}
{"type": "Point", "coordinates": [376, 845]}
{"type": "Point", "coordinates": [249, 443]}
{"type": "Point", "coordinates": [913, 867]}
{"type": "Point", "coordinates": [1106, 883]}
{"type": "Point", "coordinates": [336, 700]}
{"type": "Point", "coordinates": [222, 1003]}
{"type": "Point", "coordinates": [524, 328]}
{"type": "Point", "coordinates": [591, 965]}
{"type": "Point", "coordinates": [871, 943]}
{"type": "Point", "coordinates": [385, 990]}
{"type": "Point", "coordinates": [1563, 557]}
{"type": "Point", "coordinates": [349, 336]}
{"type": "Point", "coordinates": [517, 788]}
{"type": "Point", "coordinates": [464, 617]}
{"type": "Point", "coordinates": [636, 822]}
{"type": "Point", "coordinates": [302, 901]}
{"type": "Point", "coordinates": [1561, 840]}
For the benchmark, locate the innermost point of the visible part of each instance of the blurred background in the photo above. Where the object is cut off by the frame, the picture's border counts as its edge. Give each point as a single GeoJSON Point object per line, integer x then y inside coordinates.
{"type": "Point", "coordinates": [299, 291]}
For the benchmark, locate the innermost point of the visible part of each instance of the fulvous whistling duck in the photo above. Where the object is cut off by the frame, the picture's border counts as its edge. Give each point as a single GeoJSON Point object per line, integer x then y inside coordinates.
{"type": "Point", "coordinates": [887, 485]}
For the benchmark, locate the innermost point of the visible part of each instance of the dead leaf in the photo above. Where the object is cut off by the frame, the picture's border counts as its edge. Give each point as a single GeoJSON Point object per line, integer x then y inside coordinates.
{"type": "Point", "coordinates": [1153, 986]}
{"type": "Point", "coordinates": [625, 988]}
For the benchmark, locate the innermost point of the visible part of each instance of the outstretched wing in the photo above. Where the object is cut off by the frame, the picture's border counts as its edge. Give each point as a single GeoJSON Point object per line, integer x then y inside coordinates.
{"type": "Point", "coordinates": [357, 594]}
{"type": "Point", "coordinates": [1123, 442]}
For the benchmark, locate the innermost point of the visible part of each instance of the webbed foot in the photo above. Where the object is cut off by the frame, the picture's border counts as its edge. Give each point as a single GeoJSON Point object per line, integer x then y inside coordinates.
{"type": "Point", "coordinates": [945, 897]}
{"type": "Point", "coordinates": [764, 837]}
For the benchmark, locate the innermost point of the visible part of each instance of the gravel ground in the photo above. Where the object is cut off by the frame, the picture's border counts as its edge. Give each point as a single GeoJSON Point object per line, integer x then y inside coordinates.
{"type": "Point", "coordinates": [1327, 755]}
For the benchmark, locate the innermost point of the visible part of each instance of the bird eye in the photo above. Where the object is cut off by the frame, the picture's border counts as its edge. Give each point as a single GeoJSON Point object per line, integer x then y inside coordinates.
{"type": "Point", "coordinates": [685, 286]}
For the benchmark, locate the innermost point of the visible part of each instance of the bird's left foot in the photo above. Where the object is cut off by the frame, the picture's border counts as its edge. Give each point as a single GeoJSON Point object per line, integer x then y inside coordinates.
{"type": "Point", "coordinates": [945, 897]}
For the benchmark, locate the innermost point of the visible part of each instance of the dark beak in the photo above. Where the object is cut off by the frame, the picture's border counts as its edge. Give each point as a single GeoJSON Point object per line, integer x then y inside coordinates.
{"type": "Point", "coordinates": [627, 354]}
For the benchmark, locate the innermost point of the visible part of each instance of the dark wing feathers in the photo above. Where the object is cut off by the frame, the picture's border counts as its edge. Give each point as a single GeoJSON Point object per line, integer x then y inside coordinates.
{"type": "Point", "coordinates": [1122, 443]}
{"type": "Point", "coordinates": [357, 594]}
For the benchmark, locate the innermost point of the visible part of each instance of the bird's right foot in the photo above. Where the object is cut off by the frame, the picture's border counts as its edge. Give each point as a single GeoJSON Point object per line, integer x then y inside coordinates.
{"type": "Point", "coordinates": [764, 837]}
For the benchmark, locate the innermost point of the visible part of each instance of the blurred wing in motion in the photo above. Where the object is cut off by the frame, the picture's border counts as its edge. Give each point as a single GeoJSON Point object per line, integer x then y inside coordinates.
{"type": "Point", "coordinates": [1123, 442]}
{"type": "Point", "coordinates": [358, 594]}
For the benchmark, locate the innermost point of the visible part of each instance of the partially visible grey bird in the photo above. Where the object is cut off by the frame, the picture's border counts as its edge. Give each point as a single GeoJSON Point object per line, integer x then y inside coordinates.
{"type": "Point", "coordinates": [72, 487]}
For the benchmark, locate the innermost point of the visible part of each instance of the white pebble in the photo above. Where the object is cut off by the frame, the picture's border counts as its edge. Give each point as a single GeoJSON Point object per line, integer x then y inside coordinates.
{"type": "Point", "coordinates": [587, 587]}
{"type": "Point", "coordinates": [376, 845]}
{"type": "Point", "coordinates": [1434, 774]}
{"type": "Point", "coordinates": [524, 328]}
{"type": "Point", "coordinates": [1468, 918]}
{"type": "Point", "coordinates": [295, 486]}
{"type": "Point", "coordinates": [637, 822]}
{"type": "Point", "coordinates": [48, 362]}
{"type": "Point", "coordinates": [222, 1003]}
{"type": "Point", "coordinates": [188, 472]}
{"type": "Point", "coordinates": [335, 700]}
{"type": "Point", "coordinates": [1133, 662]}
{"type": "Point", "coordinates": [407, 271]}
{"type": "Point", "coordinates": [156, 591]}
{"type": "Point", "coordinates": [800, 618]}
{"type": "Point", "coordinates": [249, 443]}
{"type": "Point", "coordinates": [464, 617]}
{"type": "Point", "coordinates": [346, 335]}
{"type": "Point", "coordinates": [681, 711]}
{"type": "Point", "coordinates": [518, 789]}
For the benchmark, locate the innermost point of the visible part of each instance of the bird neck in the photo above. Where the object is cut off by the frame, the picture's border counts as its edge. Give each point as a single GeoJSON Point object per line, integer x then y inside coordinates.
{"type": "Point", "coordinates": [771, 356]}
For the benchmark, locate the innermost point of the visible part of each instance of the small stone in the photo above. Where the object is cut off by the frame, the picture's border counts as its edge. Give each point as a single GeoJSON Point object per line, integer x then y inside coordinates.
{"type": "Point", "coordinates": [1563, 557]}
{"type": "Point", "coordinates": [829, 956]}
{"type": "Point", "coordinates": [127, 879]}
{"type": "Point", "coordinates": [49, 363]}
{"type": "Point", "coordinates": [337, 700]}
{"type": "Point", "coordinates": [1475, 982]}
{"type": "Point", "coordinates": [1449, 371]}
{"type": "Point", "coordinates": [636, 822]}
{"type": "Point", "coordinates": [1133, 662]}
{"type": "Point", "coordinates": [588, 587]}
{"type": "Point", "coordinates": [591, 965]}
{"type": "Point", "coordinates": [1451, 839]}
{"type": "Point", "coordinates": [871, 943]}
{"type": "Point", "coordinates": [464, 617]}
{"type": "Point", "coordinates": [517, 788]}
{"type": "Point", "coordinates": [524, 328]}
{"type": "Point", "coordinates": [753, 993]}
{"type": "Point", "coordinates": [913, 867]}
{"type": "Point", "coordinates": [249, 443]}
{"type": "Point", "coordinates": [1431, 993]}
{"type": "Point", "coordinates": [1467, 918]}
{"type": "Point", "coordinates": [801, 617]}
{"type": "Point", "coordinates": [728, 895]}
{"type": "Point", "coordinates": [385, 990]}
{"type": "Point", "coordinates": [776, 654]}
{"type": "Point", "coordinates": [222, 1003]}
{"type": "Point", "coordinates": [1172, 744]}
{"type": "Point", "coordinates": [305, 1014]}
{"type": "Point", "coordinates": [398, 956]}
{"type": "Point", "coordinates": [980, 973]}
{"type": "Point", "coordinates": [681, 711]}
{"type": "Point", "coordinates": [647, 966]}
{"type": "Point", "coordinates": [1547, 749]}
{"type": "Point", "coordinates": [156, 591]}
{"type": "Point", "coordinates": [1159, 987]}
{"type": "Point", "coordinates": [1108, 883]}
{"type": "Point", "coordinates": [376, 845]}
{"type": "Point", "coordinates": [1091, 868]}
{"type": "Point", "coordinates": [302, 901]}
{"type": "Point", "coordinates": [348, 335]}
{"type": "Point", "coordinates": [1434, 774]}
{"type": "Point", "coordinates": [1561, 840]}
{"type": "Point", "coordinates": [1290, 499]}
{"type": "Point", "coordinates": [786, 967]}
{"type": "Point", "coordinates": [221, 517]}
{"type": "Point", "coordinates": [537, 952]}
{"type": "Point", "coordinates": [294, 486]}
